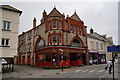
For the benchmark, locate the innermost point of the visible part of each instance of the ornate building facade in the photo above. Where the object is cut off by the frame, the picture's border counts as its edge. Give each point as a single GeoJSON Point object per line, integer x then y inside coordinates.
{"type": "Point", "coordinates": [57, 41]}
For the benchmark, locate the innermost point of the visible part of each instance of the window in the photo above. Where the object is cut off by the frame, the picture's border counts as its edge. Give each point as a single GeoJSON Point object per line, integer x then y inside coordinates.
{"type": "Point", "coordinates": [74, 29]}
{"type": "Point", "coordinates": [65, 57]}
{"type": "Point", "coordinates": [40, 44]}
{"type": "Point", "coordinates": [6, 25]}
{"type": "Point", "coordinates": [59, 25]}
{"type": "Point", "coordinates": [54, 39]}
{"type": "Point", "coordinates": [97, 47]}
{"type": "Point", "coordinates": [29, 35]}
{"type": "Point", "coordinates": [4, 42]}
{"type": "Point", "coordinates": [40, 57]}
{"type": "Point", "coordinates": [80, 57]}
{"type": "Point", "coordinates": [101, 46]}
{"type": "Point", "coordinates": [92, 45]}
{"type": "Point", "coordinates": [54, 25]}
{"type": "Point", "coordinates": [80, 30]}
{"type": "Point", "coordinates": [60, 39]}
{"type": "Point", "coordinates": [70, 28]}
{"type": "Point", "coordinates": [47, 58]}
{"type": "Point", "coordinates": [29, 47]}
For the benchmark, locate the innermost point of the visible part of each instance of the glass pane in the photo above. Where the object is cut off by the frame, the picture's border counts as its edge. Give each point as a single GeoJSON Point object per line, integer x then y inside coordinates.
{"type": "Point", "coordinates": [79, 56]}
{"type": "Point", "coordinates": [8, 25]}
{"type": "Point", "coordinates": [7, 41]}
{"type": "Point", "coordinates": [54, 38]}
{"type": "Point", "coordinates": [3, 41]}
{"type": "Point", "coordinates": [54, 24]}
{"type": "Point", "coordinates": [47, 58]}
{"type": "Point", "coordinates": [4, 25]}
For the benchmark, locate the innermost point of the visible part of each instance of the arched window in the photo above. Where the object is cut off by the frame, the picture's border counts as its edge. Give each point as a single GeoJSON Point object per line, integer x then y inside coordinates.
{"type": "Point", "coordinates": [76, 42]}
{"type": "Point", "coordinates": [40, 43]}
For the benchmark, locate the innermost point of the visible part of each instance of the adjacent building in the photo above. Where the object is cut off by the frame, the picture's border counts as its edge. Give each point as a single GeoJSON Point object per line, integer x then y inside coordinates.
{"type": "Point", "coordinates": [97, 48]}
{"type": "Point", "coordinates": [57, 41]}
{"type": "Point", "coordinates": [9, 25]}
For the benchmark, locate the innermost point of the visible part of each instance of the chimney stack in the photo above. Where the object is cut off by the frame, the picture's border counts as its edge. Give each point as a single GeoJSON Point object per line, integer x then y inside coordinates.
{"type": "Point", "coordinates": [44, 15]}
{"type": "Point", "coordinates": [34, 22]}
{"type": "Point", "coordinates": [91, 31]}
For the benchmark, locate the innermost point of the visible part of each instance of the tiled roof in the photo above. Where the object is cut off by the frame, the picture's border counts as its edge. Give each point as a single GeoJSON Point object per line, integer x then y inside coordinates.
{"type": "Point", "coordinates": [8, 7]}
{"type": "Point", "coordinates": [97, 36]}
{"type": "Point", "coordinates": [75, 17]}
{"type": "Point", "coordinates": [55, 12]}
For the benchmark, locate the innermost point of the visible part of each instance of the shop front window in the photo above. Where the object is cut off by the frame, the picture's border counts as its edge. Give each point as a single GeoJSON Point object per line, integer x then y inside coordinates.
{"type": "Point", "coordinates": [102, 58]}
{"type": "Point", "coordinates": [40, 57]}
{"type": "Point", "coordinates": [47, 58]}
{"type": "Point", "coordinates": [73, 57]}
{"type": "Point", "coordinates": [65, 57]}
{"type": "Point", "coordinates": [79, 56]}
{"type": "Point", "coordinates": [54, 57]}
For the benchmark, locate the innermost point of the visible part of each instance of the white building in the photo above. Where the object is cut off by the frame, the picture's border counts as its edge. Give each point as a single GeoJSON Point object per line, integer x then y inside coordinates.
{"type": "Point", "coordinates": [97, 48]}
{"type": "Point", "coordinates": [9, 25]}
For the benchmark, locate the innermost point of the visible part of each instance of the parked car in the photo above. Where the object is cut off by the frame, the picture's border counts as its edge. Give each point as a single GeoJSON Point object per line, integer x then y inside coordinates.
{"type": "Point", "coordinates": [4, 62]}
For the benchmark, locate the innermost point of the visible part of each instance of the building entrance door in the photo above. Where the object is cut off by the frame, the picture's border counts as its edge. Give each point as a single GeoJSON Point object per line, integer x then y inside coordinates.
{"type": "Point", "coordinates": [73, 59]}
{"type": "Point", "coordinates": [54, 59]}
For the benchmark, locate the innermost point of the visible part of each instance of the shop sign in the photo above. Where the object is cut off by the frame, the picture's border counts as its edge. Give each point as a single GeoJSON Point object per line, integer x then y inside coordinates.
{"type": "Point", "coordinates": [93, 51]}
{"type": "Point", "coordinates": [102, 53]}
{"type": "Point", "coordinates": [64, 50]}
{"type": "Point", "coordinates": [113, 48]}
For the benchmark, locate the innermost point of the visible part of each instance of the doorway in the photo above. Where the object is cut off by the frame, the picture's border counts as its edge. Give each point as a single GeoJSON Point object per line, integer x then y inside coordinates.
{"type": "Point", "coordinates": [54, 59]}
{"type": "Point", "coordinates": [73, 59]}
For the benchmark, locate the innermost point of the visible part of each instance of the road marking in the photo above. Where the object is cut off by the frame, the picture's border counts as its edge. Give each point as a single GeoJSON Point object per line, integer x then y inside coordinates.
{"type": "Point", "coordinates": [85, 71]}
{"type": "Point", "coordinates": [92, 70]}
{"type": "Point", "coordinates": [101, 71]}
{"type": "Point", "coordinates": [77, 70]}
{"type": "Point", "coordinates": [103, 76]}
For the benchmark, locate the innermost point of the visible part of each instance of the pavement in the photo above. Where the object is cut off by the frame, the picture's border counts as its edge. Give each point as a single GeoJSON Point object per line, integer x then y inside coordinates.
{"type": "Point", "coordinates": [92, 71]}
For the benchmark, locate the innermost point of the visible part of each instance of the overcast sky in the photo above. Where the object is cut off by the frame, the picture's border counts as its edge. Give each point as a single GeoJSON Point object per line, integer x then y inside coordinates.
{"type": "Point", "coordinates": [101, 16]}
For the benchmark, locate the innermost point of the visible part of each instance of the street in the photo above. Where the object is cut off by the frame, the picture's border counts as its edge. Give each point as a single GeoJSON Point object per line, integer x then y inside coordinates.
{"type": "Point", "coordinates": [92, 71]}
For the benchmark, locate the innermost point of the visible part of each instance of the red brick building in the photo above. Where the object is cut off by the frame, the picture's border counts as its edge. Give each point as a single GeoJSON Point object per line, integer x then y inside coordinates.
{"type": "Point", "coordinates": [56, 36]}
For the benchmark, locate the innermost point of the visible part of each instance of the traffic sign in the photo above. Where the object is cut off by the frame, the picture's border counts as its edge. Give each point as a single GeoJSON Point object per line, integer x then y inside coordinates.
{"type": "Point", "coordinates": [113, 48]}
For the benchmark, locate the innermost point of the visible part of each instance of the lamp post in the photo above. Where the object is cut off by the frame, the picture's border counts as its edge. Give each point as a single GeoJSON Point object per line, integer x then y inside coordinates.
{"type": "Point", "coordinates": [61, 57]}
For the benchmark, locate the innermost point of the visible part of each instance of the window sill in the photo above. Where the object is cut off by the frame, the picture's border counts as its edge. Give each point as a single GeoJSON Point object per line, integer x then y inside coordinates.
{"type": "Point", "coordinates": [4, 46]}
{"type": "Point", "coordinates": [6, 30]}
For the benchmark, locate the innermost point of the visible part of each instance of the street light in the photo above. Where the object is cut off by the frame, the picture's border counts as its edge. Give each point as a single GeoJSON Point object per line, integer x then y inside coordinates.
{"type": "Point", "coordinates": [61, 57]}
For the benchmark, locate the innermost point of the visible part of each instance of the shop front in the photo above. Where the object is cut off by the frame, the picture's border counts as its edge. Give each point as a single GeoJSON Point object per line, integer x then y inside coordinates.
{"type": "Point", "coordinates": [93, 57]}
{"type": "Point", "coordinates": [102, 57]}
{"type": "Point", "coordinates": [52, 57]}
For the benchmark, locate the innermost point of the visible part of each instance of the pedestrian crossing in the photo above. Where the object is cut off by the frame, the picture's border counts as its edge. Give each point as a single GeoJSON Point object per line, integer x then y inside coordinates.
{"type": "Point", "coordinates": [91, 71]}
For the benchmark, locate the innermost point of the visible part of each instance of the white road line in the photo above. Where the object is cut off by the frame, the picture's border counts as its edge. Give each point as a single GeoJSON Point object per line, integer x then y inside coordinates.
{"type": "Point", "coordinates": [100, 70]}
{"type": "Point", "coordinates": [77, 70]}
{"type": "Point", "coordinates": [92, 70]}
{"type": "Point", "coordinates": [85, 71]}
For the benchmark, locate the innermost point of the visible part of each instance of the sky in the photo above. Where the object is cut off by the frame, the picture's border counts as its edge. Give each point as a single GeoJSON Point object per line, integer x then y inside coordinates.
{"type": "Point", "coordinates": [101, 16]}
